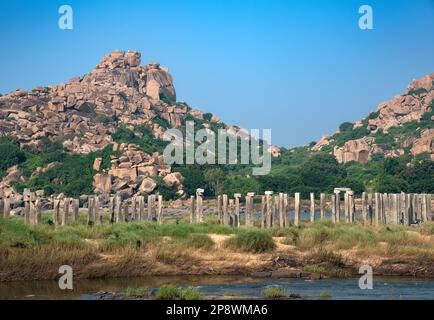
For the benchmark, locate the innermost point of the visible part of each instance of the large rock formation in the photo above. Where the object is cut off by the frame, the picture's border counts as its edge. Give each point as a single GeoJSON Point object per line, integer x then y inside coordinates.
{"type": "Point", "coordinates": [412, 106]}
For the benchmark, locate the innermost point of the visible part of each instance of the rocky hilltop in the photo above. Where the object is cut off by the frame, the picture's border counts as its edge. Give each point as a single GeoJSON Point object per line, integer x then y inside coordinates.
{"type": "Point", "coordinates": [85, 112]}
{"type": "Point", "coordinates": [403, 124]}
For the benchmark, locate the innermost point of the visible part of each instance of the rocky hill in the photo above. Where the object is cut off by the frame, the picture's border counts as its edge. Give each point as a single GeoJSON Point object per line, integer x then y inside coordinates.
{"type": "Point", "coordinates": [87, 112]}
{"type": "Point", "coordinates": [399, 126]}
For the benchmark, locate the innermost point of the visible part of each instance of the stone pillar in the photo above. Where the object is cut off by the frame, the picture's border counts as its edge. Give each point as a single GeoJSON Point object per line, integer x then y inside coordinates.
{"type": "Point", "coordinates": [125, 210]}
{"type": "Point", "coordinates": [32, 213]}
{"type": "Point", "coordinates": [90, 212]}
{"type": "Point", "coordinates": [237, 197]}
{"type": "Point", "coordinates": [249, 209]}
{"type": "Point", "coordinates": [2, 206]}
{"type": "Point", "coordinates": [160, 210]}
{"type": "Point", "coordinates": [263, 212]}
{"type": "Point", "coordinates": [424, 208]}
{"type": "Point", "coordinates": [38, 211]}
{"type": "Point", "coordinates": [134, 209]}
{"type": "Point", "coordinates": [65, 211]}
{"type": "Point", "coordinates": [338, 206]}
{"type": "Point", "coordinates": [377, 208]}
{"type": "Point", "coordinates": [6, 208]}
{"type": "Point", "coordinates": [219, 209]}
{"type": "Point", "coordinates": [268, 200]}
{"type": "Point", "coordinates": [151, 200]}
{"type": "Point", "coordinates": [364, 208]}
{"type": "Point", "coordinates": [408, 218]}
{"type": "Point", "coordinates": [199, 205]}
{"type": "Point", "coordinates": [111, 210]}
{"type": "Point", "coordinates": [247, 212]}
{"type": "Point", "coordinates": [56, 212]}
{"type": "Point", "coordinates": [333, 204]}
{"type": "Point", "coordinates": [370, 209]}
{"type": "Point", "coordinates": [281, 212]}
{"type": "Point", "coordinates": [118, 209]}
{"type": "Point", "coordinates": [429, 213]}
{"type": "Point", "coordinates": [26, 212]}
{"type": "Point", "coordinates": [321, 206]}
{"type": "Point", "coordinates": [297, 209]}
{"type": "Point", "coordinates": [225, 210]}
{"type": "Point", "coordinates": [312, 207]}
{"type": "Point", "coordinates": [97, 211]}
{"type": "Point", "coordinates": [346, 207]}
{"type": "Point", "coordinates": [351, 206]}
{"type": "Point", "coordinates": [75, 205]}
{"type": "Point", "coordinates": [386, 209]}
{"type": "Point", "coordinates": [141, 208]}
{"type": "Point", "coordinates": [192, 209]}
{"type": "Point", "coordinates": [285, 210]}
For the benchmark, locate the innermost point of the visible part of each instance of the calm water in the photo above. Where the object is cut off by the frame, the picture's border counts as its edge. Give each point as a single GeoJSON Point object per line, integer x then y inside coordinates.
{"type": "Point", "coordinates": [228, 287]}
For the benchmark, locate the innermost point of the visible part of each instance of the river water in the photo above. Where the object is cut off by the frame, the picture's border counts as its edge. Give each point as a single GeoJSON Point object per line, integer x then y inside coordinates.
{"type": "Point", "coordinates": [228, 287]}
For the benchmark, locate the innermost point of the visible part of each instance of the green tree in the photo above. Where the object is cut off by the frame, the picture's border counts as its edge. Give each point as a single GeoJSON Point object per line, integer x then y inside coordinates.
{"type": "Point", "coordinates": [214, 177]}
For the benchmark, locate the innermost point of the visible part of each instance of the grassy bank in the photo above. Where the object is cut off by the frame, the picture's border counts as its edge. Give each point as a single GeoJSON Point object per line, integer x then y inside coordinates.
{"type": "Point", "coordinates": [146, 248]}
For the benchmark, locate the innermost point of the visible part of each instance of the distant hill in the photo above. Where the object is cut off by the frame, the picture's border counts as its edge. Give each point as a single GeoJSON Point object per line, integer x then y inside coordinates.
{"type": "Point", "coordinates": [403, 125]}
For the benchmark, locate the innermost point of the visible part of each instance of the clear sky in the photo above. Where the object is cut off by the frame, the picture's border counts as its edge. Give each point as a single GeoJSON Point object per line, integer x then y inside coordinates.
{"type": "Point", "coordinates": [298, 67]}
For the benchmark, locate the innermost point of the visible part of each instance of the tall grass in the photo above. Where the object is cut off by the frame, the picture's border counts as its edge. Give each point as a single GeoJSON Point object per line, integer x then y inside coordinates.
{"type": "Point", "coordinates": [251, 241]}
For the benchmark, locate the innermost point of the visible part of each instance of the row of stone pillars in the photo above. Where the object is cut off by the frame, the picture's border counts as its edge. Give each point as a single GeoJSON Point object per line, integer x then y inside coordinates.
{"type": "Point", "coordinates": [376, 208]}
{"type": "Point", "coordinates": [275, 210]}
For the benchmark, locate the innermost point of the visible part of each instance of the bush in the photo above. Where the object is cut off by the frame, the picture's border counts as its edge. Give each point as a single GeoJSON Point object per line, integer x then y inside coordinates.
{"type": "Point", "coordinates": [191, 293]}
{"type": "Point", "coordinates": [275, 292]}
{"type": "Point", "coordinates": [251, 241]}
{"type": "Point", "coordinates": [168, 292]}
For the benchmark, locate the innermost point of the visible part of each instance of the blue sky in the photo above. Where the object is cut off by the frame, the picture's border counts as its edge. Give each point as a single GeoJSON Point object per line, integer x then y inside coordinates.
{"type": "Point", "coordinates": [298, 67]}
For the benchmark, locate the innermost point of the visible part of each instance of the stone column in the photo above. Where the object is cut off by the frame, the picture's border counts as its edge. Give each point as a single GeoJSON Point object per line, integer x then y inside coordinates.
{"type": "Point", "coordinates": [321, 206]}
{"type": "Point", "coordinates": [75, 204]}
{"type": "Point", "coordinates": [134, 209]}
{"type": "Point", "coordinates": [263, 212]}
{"type": "Point", "coordinates": [370, 209]}
{"type": "Point", "coordinates": [192, 209]}
{"type": "Point", "coordinates": [118, 209]}
{"type": "Point", "coordinates": [219, 209]}
{"type": "Point", "coordinates": [111, 210]}
{"type": "Point", "coordinates": [281, 212]}
{"type": "Point", "coordinates": [408, 218]}
{"type": "Point", "coordinates": [97, 211]}
{"type": "Point", "coordinates": [125, 210]}
{"type": "Point", "coordinates": [237, 197]}
{"type": "Point", "coordinates": [364, 208]}
{"type": "Point", "coordinates": [346, 207]}
{"type": "Point", "coordinates": [151, 200]}
{"type": "Point", "coordinates": [199, 205]}
{"type": "Point", "coordinates": [247, 212]}
{"type": "Point", "coordinates": [56, 212]}
{"type": "Point", "coordinates": [429, 213]}
{"type": "Point", "coordinates": [268, 200]}
{"type": "Point", "coordinates": [160, 210]}
{"type": "Point", "coordinates": [338, 206]}
{"type": "Point", "coordinates": [65, 211]}
{"type": "Point", "coordinates": [312, 207]}
{"type": "Point", "coordinates": [424, 208]}
{"type": "Point", "coordinates": [38, 211]}
{"type": "Point", "coordinates": [141, 208]}
{"type": "Point", "coordinates": [333, 204]}
{"type": "Point", "coordinates": [90, 213]}
{"type": "Point", "coordinates": [26, 212]}
{"type": "Point", "coordinates": [6, 208]}
{"type": "Point", "coordinates": [351, 207]}
{"type": "Point", "coordinates": [285, 210]}
{"type": "Point", "coordinates": [297, 209]}
{"type": "Point", "coordinates": [2, 206]}
{"type": "Point", "coordinates": [377, 208]}
{"type": "Point", "coordinates": [225, 210]}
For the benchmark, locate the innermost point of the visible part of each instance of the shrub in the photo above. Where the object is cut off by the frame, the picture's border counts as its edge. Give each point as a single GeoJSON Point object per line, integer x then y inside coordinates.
{"type": "Point", "coordinates": [251, 241]}
{"type": "Point", "coordinates": [191, 293]}
{"type": "Point", "coordinates": [275, 292]}
{"type": "Point", "coordinates": [168, 292]}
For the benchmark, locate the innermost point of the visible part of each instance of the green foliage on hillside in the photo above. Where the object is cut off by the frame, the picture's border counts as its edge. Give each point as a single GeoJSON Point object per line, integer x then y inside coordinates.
{"type": "Point", "coordinates": [141, 136]}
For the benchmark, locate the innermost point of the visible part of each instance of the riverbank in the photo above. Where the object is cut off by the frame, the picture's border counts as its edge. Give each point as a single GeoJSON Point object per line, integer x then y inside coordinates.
{"type": "Point", "coordinates": [313, 251]}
